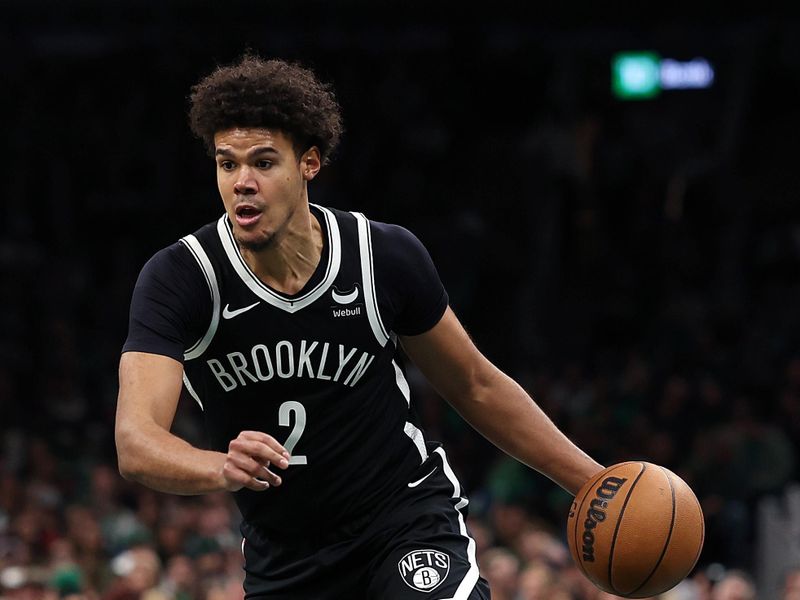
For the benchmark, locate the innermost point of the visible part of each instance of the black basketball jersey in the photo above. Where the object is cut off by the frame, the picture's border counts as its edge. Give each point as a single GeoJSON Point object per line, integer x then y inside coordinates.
{"type": "Point", "coordinates": [316, 370]}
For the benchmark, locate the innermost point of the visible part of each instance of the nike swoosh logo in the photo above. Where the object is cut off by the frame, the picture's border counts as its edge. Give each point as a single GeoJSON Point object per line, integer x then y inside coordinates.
{"type": "Point", "coordinates": [344, 298]}
{"type": "Point", "coordinates": [229, 314]}
{"type": "Point", "coordinates": [418, 481]}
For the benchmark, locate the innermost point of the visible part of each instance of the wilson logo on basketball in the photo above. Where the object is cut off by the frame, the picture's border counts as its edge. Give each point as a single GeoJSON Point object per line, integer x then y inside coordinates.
{"type": "Point", "coordinates": [597, 513]}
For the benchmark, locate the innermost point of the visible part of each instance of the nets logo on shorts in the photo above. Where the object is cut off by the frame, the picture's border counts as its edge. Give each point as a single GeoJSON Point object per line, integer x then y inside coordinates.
{"type": "Point", "coordinates": [424, 570]}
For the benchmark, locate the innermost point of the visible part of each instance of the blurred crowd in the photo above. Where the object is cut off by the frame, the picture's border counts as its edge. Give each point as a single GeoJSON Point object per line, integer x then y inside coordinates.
{"type": "Point", "coordinates": [635, 266]}
{"type": "Point", "coordinates": [75, 529]}
{"type": "Point", "coordinates": [71, 527]}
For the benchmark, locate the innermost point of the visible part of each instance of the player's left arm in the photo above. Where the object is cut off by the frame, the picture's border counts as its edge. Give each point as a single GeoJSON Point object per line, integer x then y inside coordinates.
{"type": "Point", "coordinates": [495, 404]}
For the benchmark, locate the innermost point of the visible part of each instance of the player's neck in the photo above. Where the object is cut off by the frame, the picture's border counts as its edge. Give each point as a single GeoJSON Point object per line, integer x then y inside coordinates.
{"type": "Point", "coordinates": [287, 264]}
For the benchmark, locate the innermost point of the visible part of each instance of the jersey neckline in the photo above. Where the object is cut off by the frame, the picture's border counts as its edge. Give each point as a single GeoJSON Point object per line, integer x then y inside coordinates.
{"type": "Point", "coordinates": [331, 257]}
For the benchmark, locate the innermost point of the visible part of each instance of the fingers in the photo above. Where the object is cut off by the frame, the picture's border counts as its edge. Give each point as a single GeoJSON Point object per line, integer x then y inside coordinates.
{"type": "Point", "coordinates": [237, 479]}
{"type": "Point", "coordinates": [248, 461]}
{"type": "Point", "coordinates": [260, 447]}
{"type": "Point", "coordinates": [254, 468]}
{"type": "Point", "coordinates": [268, 478]}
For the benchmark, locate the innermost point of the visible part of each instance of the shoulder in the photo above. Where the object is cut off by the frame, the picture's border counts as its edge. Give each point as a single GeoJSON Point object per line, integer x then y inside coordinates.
{"type": "Point", "coordinates": [394, 243]}
{"type": "Point", "coordinates": [398, 253]}
{"type": "Point", "coordinates": [183, 254]}
{"type": "Point", "coordinates": [408, 284]}
{"type": "Point", "coordinates": [392, 248]}
{"type": "Point", "coordinates": [174, 259]}
{"type": "Point", "coordinates": [393, 233]}
{"type": "Point", "coordinates": [181, 264]}
{"type": "Point", "coordinates": [171, 304]}
{"type": "Point", "coordinates": [391, 245]}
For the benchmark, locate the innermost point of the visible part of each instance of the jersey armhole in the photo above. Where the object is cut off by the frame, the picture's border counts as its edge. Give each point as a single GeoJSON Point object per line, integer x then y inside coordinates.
{"type": "Point", "coordinates": [199, 254]}
{"type": "Point", "coordinates": [368, 280]}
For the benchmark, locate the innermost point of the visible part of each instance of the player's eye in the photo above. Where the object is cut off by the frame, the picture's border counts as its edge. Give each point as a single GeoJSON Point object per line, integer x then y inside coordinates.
{"type": "Point", "coordinates": [263, 163]}
{"type": "Point", "coordinates": [226, 165]}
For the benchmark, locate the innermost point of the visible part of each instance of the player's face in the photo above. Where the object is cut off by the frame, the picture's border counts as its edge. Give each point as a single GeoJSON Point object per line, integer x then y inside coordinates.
{"type": "Point", "coordinates": [262, 183]}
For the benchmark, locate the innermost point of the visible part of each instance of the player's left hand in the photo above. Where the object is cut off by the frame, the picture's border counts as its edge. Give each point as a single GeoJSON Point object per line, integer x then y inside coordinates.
{"type": "Point", "coordinates": [248, 461]}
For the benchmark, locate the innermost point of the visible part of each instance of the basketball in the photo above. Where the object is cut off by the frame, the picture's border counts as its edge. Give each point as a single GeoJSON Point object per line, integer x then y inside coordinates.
{"type": "Point", "coordinates": [635, 529]}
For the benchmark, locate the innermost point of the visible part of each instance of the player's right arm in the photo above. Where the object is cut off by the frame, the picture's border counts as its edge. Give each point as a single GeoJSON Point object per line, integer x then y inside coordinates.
{"type": "Point", "coordinates": [148, 453]}
{"type": "Point", "coordinates": [436, 342]}
{"type": "Point", "coordinates": [170, 305]}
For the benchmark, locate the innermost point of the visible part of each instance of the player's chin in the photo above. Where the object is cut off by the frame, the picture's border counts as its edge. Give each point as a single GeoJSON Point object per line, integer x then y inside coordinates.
{"type": "Point", "coordinates": [253, 240]}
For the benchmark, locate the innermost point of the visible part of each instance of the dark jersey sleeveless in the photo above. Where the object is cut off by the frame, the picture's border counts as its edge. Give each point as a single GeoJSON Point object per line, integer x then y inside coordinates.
{"type": "Point", "coordinates": [317, 370]}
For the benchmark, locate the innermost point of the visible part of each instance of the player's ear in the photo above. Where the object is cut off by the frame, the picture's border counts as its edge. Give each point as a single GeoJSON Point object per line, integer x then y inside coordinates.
{"type": "Point", "coordinates": [310, 163]}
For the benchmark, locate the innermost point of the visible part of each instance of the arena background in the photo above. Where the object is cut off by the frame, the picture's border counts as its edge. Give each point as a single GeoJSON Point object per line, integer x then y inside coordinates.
{"type": "Point", "coordinates": [634, 264]}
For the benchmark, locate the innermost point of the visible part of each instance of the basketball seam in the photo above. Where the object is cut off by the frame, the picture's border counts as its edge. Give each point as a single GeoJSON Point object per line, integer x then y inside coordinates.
{"type": "Point", "coordinates": [702, 532]}
{"type": "Point", "coordinates": [616, 529]}
{"type": "Point", "coordinates": [669, 535]}
{"type": "Point", "coordinates": [577, 521]}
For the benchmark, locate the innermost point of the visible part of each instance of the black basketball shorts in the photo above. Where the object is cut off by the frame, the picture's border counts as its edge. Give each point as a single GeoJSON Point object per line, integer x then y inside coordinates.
{"type": "Point", "coordinates": [416, 547]}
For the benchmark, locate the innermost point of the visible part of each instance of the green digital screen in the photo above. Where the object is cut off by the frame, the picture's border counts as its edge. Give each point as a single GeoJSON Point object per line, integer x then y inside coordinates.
{"type": "Point", "coordinates": [636, 75]}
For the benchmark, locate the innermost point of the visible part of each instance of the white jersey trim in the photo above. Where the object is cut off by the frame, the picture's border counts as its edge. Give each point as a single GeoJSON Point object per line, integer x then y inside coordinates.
{"type": "Point", "coordinates": [411, 430]}
{"type": "Point", "coordinates": [194, 246]}
{"type": "Point", "coordinates": [270, 296]}
{"type": "Point", "coordinates": [471, 578]}
{"type": "Point", "coordinates": [194, 395]}
{"type": "Point", "coordinates": [402, 383]}
{"type": "Point", "coordinates": [368, 277]}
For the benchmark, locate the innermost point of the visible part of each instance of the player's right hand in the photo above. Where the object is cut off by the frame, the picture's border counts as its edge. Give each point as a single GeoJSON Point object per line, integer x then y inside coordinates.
{"type": "Point", "coordinates": [248, 460]}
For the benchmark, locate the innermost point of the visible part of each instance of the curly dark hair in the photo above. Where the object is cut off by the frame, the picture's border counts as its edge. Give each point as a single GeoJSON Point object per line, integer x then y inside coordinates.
{"type": "Point", "coordinates": [273, 94]}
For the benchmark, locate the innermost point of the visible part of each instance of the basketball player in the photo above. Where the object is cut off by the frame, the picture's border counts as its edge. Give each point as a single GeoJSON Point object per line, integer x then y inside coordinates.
{"type": "Point", "coordinates": [283, 319]}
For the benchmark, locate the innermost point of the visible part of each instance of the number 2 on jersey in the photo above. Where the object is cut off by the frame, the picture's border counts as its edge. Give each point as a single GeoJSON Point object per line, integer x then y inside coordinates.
{"type": "Point", "coordinates": [284, 420]}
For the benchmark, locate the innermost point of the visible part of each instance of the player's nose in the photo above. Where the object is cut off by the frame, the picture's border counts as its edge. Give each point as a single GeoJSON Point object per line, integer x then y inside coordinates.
{"type": "Point", "coordinates": [245, 183]}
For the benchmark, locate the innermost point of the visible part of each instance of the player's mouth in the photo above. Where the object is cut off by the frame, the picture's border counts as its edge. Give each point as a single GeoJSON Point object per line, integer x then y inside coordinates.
{"type": "Point", "coordinates": [247, 215]}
